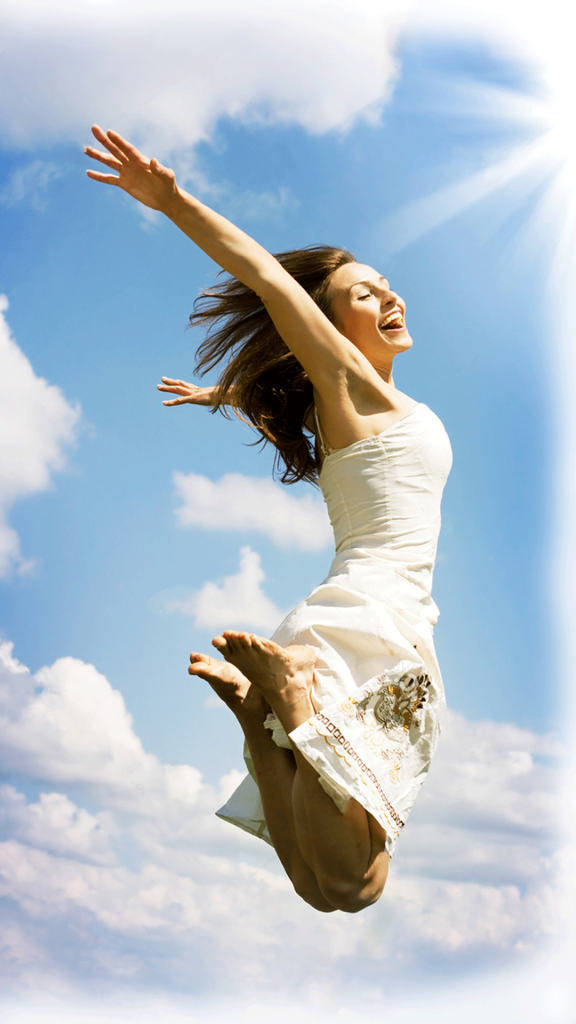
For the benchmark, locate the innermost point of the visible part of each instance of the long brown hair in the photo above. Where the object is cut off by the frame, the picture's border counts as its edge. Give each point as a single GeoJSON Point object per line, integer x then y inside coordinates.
{"type": "Point", "coordinates": [269, 386]}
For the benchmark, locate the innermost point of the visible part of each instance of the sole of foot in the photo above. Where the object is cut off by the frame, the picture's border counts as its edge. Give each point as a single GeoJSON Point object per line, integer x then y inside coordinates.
{"type": "Point", "coordinates": [228, 682]}
{"type": "Point", "coordinates": [278, 672]}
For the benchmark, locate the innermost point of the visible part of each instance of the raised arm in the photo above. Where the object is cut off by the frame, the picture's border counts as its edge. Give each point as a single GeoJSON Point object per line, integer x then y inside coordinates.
{"type": "Point", "coordinates": [326, 355]}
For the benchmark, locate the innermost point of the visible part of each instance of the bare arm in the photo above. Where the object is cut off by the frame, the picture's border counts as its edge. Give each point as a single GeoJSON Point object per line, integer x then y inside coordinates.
{"type": "Point", "coordinates": [331, 361]}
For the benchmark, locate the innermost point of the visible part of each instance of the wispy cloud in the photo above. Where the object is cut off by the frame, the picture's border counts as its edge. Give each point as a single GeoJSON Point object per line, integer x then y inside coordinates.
{"type": "Point", "coordinates": [237, 601]}
{"type": "Point", "coordinates": [37, 425]}
{"type": "Point", "coordinates": [260, 206]}
{"type": "Point", "coordinates": [237, 502]}
{"type": "Point", "coordinates": [29, 182]}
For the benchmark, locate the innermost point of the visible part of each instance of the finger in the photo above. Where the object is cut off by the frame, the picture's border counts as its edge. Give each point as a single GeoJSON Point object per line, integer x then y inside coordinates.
{"type": "Point", "coordinates": [110, 161]}
{"type": "Point", "coordinates": [103, 138]}
{"type": "Point", "coordinates": [180, 387]}
{"type": "Point", "coordinates": [176, 401]}
{"type": "Point", "coordinates": [174, 380]}
{"type": "Point", "coordinates": [108, 179]}
{"type": "Point", "coordinates": [125, 147]}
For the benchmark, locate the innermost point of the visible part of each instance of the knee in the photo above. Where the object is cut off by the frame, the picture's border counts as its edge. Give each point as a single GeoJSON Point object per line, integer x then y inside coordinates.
{"type": "Point", "coordinates": [351, 896]}
{"type": "Point", "coordinates": [351, 899]}
{"type": "Point", "coordinates": [306, 886]}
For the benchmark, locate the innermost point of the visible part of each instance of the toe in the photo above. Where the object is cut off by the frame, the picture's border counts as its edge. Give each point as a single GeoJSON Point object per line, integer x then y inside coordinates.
{"type": "Point", "coordinates": [268, 645]}
{"type": "Point", "coordinates": [219, 642]}
{"type": "Point", "coordinates": [228, 651]}
{"type": "Point", "coordinates": [198, 668]}
{"type": "Point", "coordinates": [232, 639]}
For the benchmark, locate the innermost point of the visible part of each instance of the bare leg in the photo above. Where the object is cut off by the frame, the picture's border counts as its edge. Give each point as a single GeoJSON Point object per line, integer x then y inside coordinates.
{"type": "Point", "coordinates": [345, 851]}
{"type": "Point", "coordinates": [275, 770]}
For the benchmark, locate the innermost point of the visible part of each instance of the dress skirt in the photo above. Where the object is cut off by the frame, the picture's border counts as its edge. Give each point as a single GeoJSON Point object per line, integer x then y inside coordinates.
{"type": "Point", "coordinates": [377, 692]}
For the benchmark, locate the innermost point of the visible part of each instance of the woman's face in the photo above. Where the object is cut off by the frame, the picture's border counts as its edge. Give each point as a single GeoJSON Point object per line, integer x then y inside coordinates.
{"type": "Point", "coordinates": [368, 313]}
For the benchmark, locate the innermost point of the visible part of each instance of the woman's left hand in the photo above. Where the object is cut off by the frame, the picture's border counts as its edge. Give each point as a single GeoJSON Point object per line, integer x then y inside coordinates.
{"type": "Point", "coordinates": [144, 179]}
{"type": "Point", "coordinates": [189, 394]}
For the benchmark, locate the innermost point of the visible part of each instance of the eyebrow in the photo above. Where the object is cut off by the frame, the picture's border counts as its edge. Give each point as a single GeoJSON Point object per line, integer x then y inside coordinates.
{"type": "Point", "coordinates": [368, 284]}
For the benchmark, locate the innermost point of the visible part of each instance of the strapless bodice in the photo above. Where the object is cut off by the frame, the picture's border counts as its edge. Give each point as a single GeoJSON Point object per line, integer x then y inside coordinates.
{"type": "Point", "coordinates": [383, 493]}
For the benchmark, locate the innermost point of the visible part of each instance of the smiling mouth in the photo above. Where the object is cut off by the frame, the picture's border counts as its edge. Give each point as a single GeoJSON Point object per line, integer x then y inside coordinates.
{"type": "Point", "coordinates": [393, 322]}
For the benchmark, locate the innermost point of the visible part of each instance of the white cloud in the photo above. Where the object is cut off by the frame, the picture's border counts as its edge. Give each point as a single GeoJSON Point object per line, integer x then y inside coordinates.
{"type": "Point", "coordinates": [500, 777]}
{"type": "Point", "coordinates": [56, 825]}
{"type": "Point", "coordinates": [149, 883]}
{"type": "Point", "coordinates": [168, 74]}
{"type": "Point", "coordinates": [36, 426]}
{"type": "Point", "coordinates": [237, 502]}
{"type": "Point", "coordinates": [540, 994]}
{"type": "Point", "coordinates": [238, 602]}
{"type": "Point", "coordinates": [67, 725]}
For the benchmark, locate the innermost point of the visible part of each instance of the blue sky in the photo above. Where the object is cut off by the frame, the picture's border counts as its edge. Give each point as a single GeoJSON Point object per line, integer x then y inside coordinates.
{"type": "Point", "coordinates": [98, 303]}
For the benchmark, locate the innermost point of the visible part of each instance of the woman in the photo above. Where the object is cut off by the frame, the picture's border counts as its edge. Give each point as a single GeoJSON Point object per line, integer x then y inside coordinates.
{"type": "Point", "coordinates": [338, 710]}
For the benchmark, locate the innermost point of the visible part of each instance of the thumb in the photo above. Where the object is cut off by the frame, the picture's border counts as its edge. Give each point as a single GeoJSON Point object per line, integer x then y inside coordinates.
{"type": "Point", "coordinates": [159, 170]}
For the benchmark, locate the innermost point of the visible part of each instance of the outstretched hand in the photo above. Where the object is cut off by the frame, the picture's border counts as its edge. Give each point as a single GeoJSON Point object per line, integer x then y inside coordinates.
{"type": "Point", "coordinates": [189, 394]}
{"type": "Point", "coordinates": [144, 179]}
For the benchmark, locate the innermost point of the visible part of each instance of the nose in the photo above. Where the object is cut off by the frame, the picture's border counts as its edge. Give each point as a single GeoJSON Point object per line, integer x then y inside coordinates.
{"type": "Point", "coordinates": [389, 298]}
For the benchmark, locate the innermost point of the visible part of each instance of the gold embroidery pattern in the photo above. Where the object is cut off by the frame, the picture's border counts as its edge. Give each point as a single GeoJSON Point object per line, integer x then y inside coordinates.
{"type": "Point", "coordinates": [364, 768]}
{"type": "Point", "coordinates": [347, 707]}
{"type": "Point", "coordinates": [389, 712]}
{"type": "Point", "coordinates": [397, 705]}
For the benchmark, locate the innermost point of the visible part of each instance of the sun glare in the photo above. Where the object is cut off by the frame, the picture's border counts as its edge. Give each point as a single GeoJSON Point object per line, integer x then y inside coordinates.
{"type": "Point", "coordinates": [542, 165]}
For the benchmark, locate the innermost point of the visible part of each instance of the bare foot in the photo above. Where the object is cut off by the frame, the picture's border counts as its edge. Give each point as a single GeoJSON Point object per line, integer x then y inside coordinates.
{"type": "Point", "coordinates": [231, 686]}
{"type": "Point", "coordinates": [282, 674]}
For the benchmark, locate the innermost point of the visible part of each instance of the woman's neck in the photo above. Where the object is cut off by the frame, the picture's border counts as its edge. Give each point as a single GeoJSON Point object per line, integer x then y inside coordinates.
{"type": "Point", "coordinates": [385, 372]}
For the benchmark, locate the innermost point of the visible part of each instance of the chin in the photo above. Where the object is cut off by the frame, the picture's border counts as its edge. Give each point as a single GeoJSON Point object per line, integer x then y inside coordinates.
{"type": "Point", "coordinates": [403, 343]}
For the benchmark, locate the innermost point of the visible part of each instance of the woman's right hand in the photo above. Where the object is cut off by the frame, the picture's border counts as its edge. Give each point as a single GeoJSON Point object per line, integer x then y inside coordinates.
{"type": "Point", "coordinates": [189, 394]}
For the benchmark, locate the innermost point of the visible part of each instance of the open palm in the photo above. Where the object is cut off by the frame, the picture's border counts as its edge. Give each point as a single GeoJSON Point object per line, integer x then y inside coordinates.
{"type": "Point", "coordinates": [144, 179]}
{"type": "Point", "coordinates": [189, 394]}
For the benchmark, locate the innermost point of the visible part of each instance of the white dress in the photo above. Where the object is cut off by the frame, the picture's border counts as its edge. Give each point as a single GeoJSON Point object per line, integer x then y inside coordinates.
{"type": "Point", "coordinates": [377, 686]}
